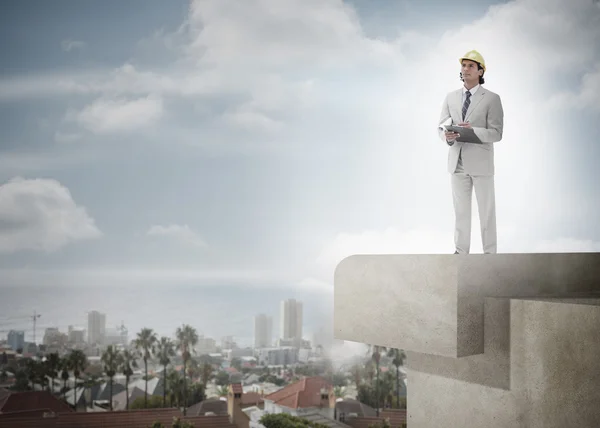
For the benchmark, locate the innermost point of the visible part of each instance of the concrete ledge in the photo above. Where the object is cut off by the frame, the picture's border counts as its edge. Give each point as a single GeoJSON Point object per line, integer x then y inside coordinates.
{"type": "Point", "coordinates": [434, 304]}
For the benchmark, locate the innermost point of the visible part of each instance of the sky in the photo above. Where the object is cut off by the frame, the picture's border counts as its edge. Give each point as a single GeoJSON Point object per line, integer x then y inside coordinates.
{"type": "Point", "coordinates": [259, 142]}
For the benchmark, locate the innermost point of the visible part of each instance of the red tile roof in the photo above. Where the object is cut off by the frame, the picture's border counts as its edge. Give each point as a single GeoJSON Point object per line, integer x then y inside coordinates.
{"type": "Point", "coordinates": [32, 400]}
{"type": "Point", "coordinates": [303, 394]}
{"type": "Point", "coordinates": [396, 417]}
{"type": "Point", "coordinates": [237, 388]}
{"type": "Point", "coordinates": [251, 397]}
{"type": "Point", "coordinates": [117, 419]}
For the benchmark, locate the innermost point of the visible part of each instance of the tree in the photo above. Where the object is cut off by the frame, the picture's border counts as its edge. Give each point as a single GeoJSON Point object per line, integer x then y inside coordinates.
{"type": "Point", "coordinates": [382, 424]}
{"type": "Point", "coordinates": [111, 360]}
{"type": "Point", "coordinates": [145, 343]}
{"type": "Point", "coordinates": [187, 338]}
{"type": "Point", "coordinates": [65, 366]}
{"type": "Point", "coordinates": [376, 357]}
{"type": "Point", "coordinates": [398, 356]}
{"type": "Point", "coordinates": [165, 350]}
{"type": "Point", "coordinates": [284, 420]}
{"type": "Point", "coordinates": [127, 364]}
{"type": "Point", "coordinates": [152, 402]}
{"type": "Point", "coordinates": [206, 373]}
{"type": "Point", "coordinates": [78, 362]}
{"type": "Point", "coordinates": [222, 378]}
{"type": "Point", "coordinates": [52, 367]}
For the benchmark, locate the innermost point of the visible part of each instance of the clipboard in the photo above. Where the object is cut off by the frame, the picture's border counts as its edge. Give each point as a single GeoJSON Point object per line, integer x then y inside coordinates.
{"type": "Point", "coordinates": [467, 135]}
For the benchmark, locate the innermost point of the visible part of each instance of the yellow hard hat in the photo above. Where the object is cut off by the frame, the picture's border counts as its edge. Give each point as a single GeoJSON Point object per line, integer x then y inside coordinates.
{"type": "Point", "coordinates": [473, 56]}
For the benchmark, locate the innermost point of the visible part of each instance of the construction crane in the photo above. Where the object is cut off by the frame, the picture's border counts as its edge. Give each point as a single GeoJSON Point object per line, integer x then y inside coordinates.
{"type": "Point", "coordinates": [123, 331]}
{"type": "Point", "coordinates": [35, 317]}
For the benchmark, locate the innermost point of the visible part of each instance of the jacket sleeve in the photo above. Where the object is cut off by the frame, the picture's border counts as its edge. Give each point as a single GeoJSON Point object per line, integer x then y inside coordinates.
{"type": "Point", "coordinates": [495, 123]}
{"type": "Point", "coordinates": [445, 119]}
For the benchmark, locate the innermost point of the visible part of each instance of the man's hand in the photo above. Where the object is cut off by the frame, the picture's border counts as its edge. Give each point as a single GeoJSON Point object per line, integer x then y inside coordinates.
{"type": "Point", "coordinates": [451, 136]}
{"type": "Point", "coordinates": [465, 125]}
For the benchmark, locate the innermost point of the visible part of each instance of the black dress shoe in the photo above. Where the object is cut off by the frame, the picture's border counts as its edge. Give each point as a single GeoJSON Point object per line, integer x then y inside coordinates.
{"type": "Point", "coordinates": [456, 252]}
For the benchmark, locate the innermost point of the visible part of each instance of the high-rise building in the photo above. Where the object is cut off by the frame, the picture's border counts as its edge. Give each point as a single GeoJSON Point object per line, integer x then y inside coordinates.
{"type": "Point", "coordinates": [16, 339]}
{"type": "Point", "coordinates": [96, 327]}
{"type": "Point", "coordinates": [76, 335]}
{"type": "Point", "coordinates": [291, 319]}
{"type": "Point", "coordinates": [263, 331]}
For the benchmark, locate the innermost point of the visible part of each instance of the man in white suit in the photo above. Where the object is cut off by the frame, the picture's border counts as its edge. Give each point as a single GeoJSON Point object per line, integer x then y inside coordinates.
{"type": "Point", "coordinates": [471, 165]}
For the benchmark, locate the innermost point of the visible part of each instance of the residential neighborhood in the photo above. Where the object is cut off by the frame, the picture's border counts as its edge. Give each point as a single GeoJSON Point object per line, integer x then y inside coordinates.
{"type": "Point", "coordinates": [86, 378]}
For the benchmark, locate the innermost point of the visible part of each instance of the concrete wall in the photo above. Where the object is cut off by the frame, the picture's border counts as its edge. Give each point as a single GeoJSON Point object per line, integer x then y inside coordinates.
{"type": "Point", "coordinates": [508, 340]}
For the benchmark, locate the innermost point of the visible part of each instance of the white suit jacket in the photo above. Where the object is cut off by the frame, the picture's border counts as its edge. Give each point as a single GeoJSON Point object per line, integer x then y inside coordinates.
{"type": "Point", "coordinates": [486, 116]}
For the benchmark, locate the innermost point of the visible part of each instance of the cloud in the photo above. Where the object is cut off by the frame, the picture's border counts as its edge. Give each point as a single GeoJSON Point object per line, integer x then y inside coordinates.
{"type": "Point", "coordinates": [41, 215]}
{"type": "Point", "coordinates": [179, 233]}
{"type": "Point", "coordinates": [69, 45]}
{"type": "Point", "coordinates": [67, 137]}
{"type": "Point", "coordinates": [143, 275]}
{"type": "Point", "coordinates": [106, 115]}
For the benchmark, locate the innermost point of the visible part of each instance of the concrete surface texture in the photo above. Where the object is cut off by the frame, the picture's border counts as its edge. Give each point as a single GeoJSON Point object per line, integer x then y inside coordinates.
{"type": "Point", "coordinates": [502, 340]}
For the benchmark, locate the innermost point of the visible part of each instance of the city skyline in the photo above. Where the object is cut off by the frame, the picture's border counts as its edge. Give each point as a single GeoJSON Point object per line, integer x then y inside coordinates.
{"type": "Point", "coordinates": [111, 325]}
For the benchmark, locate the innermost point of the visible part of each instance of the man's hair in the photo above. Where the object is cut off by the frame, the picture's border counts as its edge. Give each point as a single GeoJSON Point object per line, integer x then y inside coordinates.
{"type": "Point", "coordinates": [481, 79]}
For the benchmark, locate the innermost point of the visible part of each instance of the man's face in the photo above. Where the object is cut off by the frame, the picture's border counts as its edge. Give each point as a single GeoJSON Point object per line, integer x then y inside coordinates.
{"type": "Point", "coordinates": [470, 71]}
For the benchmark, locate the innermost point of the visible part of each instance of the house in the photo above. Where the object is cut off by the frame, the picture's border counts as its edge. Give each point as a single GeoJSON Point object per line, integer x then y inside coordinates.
{"type": "Point", "coordinates": [40, 401]}
{"type": "Point", "coordinates": [310, 398]}
{"type": "Point", "coordinates": [304, 396]}
{"type": "Point", "coordinates": [37, 413]}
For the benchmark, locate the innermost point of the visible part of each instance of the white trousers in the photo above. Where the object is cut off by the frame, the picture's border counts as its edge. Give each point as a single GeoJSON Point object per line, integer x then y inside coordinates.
{"type": "Point", "coordinates": [462, 190]}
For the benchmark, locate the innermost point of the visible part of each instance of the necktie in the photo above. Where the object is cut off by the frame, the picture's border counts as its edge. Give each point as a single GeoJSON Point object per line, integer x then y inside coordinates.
{"type": "Point", "coordinates": [466, 104]}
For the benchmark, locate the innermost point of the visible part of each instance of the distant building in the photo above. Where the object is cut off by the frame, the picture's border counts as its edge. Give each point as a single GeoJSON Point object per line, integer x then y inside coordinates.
{"type": "Point", "coordinates": [96, 328]}
{"type": "Point", "coordinates": [230, 354]}
{"type": "Point", "coordinates": [291, 319]}
{"type": "Point", "coordinates": [76, 335]}
{"type": "Point", "coordinates": [16, 339]}
{"type": "Point", "coordinates": [115, 336]}
{"type": "Point", "coordinates": [206, 346]}
{"type": "Point", "coordinates": [296, 343]}
{"type": "Point", "coordinates": [54, 339]}
{"type": "Point", "coordinates": [263, 331]}
{"type": "Point", "coordinates": [227, 342]}
{"type": "Point", "coordinates": [276, 356]}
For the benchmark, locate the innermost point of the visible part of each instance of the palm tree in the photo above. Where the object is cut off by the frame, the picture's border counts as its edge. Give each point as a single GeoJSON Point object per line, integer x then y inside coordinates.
{"type": "Point", "coordinates": [175, 388]}
{"type": "Point", "coordinates": [65, 366]}
{"type": "Point", "coordinates": [223, 390]}
{"type": "Point", "coordinates": [206, 373]}
{"type": "Point", "coordinates": [52, 368]}
{"type": "Point", "coordinates": [339, 391]}
{"type": "Point", "coordinates": [111, 360]}
{"type": "Point", "coordinates": [34, 372]}
{"type": "Point", "coordinates": [165, 350]}
{"type": "Point", "coordinates": [79, 363]}
{"type": "Point", "coordinates": [187, 338]}
{"type": "Point", "coordinates": [145, 343]}
{"type": "Point", "coordinates": [128, 363]}
{"type": "Point", "coordinates": [398, 356]}
{"type": "Point", "coordinates": [376, 357]}
{"type": "Point", "coordinates": [356, 375]}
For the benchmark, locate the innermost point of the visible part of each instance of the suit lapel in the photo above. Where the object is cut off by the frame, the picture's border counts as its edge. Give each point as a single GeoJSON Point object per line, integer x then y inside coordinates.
{"type": "Point", "coordinates": [475, 100]}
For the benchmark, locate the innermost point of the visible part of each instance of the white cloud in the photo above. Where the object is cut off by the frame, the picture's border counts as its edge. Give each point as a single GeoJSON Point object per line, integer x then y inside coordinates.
{"type": "Point", "coordinates": [40, 214]}
{"type": "Point", "coordinates": [178, 233]}
{"type": "Point", "coordinates": [116, 115]}
{"type": "Point", "coordinates": [69, 45]}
